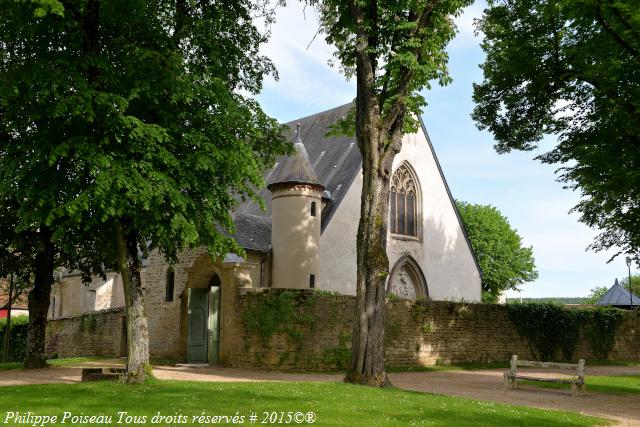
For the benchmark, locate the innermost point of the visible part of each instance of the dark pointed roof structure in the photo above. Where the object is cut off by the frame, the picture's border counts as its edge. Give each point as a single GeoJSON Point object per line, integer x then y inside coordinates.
{"type": "Point", "coordinates": [618, 296]}
{"type": "Point", "coordinates": [295, 169]}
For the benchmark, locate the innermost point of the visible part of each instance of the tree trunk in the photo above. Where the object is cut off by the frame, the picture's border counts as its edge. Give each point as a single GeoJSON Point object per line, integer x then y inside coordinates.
{"type": "Point", "coordinates": [367, 362]}
{"type": "Point", "coordinates": [39, 302]}
{"type": "Point", "coordinates": [7, 329]}
{"type": "Point", "coordinates": [137, 329]}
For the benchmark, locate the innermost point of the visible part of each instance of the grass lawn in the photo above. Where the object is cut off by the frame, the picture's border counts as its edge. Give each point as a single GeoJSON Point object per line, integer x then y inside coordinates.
{"type": "Point", "coordinates": [334, 404]}
{"type": "Point", "coordinates": [52, 362]}
{"type": "Point", "coordinates": [628, 384]}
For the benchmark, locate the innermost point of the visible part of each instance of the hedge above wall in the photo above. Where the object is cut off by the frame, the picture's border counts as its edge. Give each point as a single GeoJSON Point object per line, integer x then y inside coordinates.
{"type": "Point", "coordinates": [18, 339]}
{"type": "Point", "coordinates": [551, 329]}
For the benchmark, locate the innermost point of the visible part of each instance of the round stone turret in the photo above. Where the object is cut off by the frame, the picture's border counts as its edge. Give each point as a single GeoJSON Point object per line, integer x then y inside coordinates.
{"type": "Point", "coordinates": [296, 206]}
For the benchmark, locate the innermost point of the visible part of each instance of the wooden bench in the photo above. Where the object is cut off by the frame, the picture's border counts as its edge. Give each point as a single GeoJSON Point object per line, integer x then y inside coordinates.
{"type": "Point", "coordinates": [577, 383]}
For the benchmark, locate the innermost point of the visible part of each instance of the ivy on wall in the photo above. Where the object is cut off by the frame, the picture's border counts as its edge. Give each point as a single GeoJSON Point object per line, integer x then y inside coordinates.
{"type": "Point", "coordinates": [551, 329]}
{"type": "Point", "coordinates": [601, 330]}
{"type": "Point", "coordinates": [268, 313]}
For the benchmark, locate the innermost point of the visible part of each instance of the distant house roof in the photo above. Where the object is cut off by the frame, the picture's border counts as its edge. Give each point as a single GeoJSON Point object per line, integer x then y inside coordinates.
{"type": "Point", "coordinates": [617, 295]}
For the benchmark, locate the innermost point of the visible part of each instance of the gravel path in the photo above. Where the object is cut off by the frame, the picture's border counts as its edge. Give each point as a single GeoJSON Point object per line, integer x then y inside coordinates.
{"type": "Point", "coordinates": [486, 384]}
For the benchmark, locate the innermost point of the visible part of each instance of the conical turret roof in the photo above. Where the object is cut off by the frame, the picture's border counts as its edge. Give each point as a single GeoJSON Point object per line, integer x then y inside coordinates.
{"type": "Point", "coordinates": [295, 169]}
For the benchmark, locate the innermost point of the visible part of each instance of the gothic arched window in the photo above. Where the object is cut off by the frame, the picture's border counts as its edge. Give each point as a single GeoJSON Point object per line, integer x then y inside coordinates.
{"type": "Point", "coordinates": [403, 202]}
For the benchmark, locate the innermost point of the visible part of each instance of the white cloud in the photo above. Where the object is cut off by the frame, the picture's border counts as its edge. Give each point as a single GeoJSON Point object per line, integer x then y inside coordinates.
{"type": "Point", "coordinates": [466, 27]}
{"type": "Point", "coordinates": [301, 57]}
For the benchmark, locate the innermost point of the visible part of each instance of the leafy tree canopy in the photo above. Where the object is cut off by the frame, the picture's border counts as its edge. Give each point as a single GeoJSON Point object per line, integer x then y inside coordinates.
{"type": "Point", "coordinates": [504, 262]}
{"type": "Point", "coordinates": [596, 294]}
{"type": "Point", "coordinates": [635, 283]}
{"type": "Point", "coordinates": [131, 110]}
{"type": "Point", "coordinates": [125, 122]}
{"type": "Point", "coordinates": [570, 68]}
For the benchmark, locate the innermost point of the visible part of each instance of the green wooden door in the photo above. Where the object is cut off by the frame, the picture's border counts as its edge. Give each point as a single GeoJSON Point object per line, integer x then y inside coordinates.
{"type": "Point", "coordinates": [198, 325]}
{"type": "Point", "coordinates": [214, 323]}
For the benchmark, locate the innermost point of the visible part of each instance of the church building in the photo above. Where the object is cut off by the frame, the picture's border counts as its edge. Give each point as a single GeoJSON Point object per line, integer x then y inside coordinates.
{"type": "Point", "coordinates": [304, 239]}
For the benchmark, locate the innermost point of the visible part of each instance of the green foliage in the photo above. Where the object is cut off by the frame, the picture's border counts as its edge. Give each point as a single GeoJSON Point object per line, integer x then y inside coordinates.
{"type": "Point", "coordinates": [266, 314]}
{"type": "Point", "coordinates": [596, 294]}
{"type": "Point", "coordinates": [635, 283]}
{"type": "Point", "coordinates": [548, 328]}
{"type": "Point", "coordinates": [131, 120]}
{"type": "Point", "coordinates": [505, 264]}
{"type": "Point", "coordinates": [405, 42]}
{"type": "Point", "coordinates": [18, 337]}
{"type": "Point", "coordinates": [569, 68]}
{"type": "Point", "coordinates": [602, 329]}
{"type": "Point", "coordinates": [555, 300]}
{"type": "Point", "coordinates": [88, 322]}
{"type": "Point", "coordinates": [132, 111]}
{"type": "Point", "coordinates": [393, 297]}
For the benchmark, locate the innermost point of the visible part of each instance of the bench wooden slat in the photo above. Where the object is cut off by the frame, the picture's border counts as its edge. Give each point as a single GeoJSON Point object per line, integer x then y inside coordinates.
{"type": "Point", "coordinates": [550, 365]}
{"type": "Point", "coordinates": [549, 380]}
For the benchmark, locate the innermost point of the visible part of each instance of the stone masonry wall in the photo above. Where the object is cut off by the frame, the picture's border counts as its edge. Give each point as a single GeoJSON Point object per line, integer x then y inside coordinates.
{"type": "Point", "coordinates": [317, 333]}
{"type": "Point", "coordinates": [417, 334]}
{"type": "Point", "coordinates": [97, 334]}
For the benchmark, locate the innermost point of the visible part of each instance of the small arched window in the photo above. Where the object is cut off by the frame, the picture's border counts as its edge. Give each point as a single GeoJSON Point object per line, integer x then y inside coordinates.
{"type": "Point", "coordinates": [171, 278]}
{"type": "Point", "coordinates": [403, 203]}
{"type": "Point", "coordinates": [313, 208]}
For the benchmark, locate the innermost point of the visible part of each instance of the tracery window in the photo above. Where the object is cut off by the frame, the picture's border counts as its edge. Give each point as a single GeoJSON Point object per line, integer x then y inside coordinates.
{"type": "Point", "coordinates": [403, 202]}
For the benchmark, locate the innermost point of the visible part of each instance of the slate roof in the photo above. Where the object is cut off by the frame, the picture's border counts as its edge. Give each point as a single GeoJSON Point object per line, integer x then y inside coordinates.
{"type": "Point", "coordinates": [617, 295]}
{"type": "Point", "coordinates": [335, 160]}
{"type": "Point", "coordinates": [253, 232]}
{"type": "Point", "coordinates": [295, 169]}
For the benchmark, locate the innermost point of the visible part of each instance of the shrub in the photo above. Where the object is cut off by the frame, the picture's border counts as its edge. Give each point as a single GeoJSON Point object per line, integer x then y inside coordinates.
{"type": "Point", "coordinates": [18, 338]}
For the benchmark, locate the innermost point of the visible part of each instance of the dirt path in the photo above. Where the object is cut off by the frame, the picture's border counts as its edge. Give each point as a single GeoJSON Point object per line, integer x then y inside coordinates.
{"type": "Point", "coordinates": [489, 385]}
{"type": "Point", "coordinates": [479, 384]}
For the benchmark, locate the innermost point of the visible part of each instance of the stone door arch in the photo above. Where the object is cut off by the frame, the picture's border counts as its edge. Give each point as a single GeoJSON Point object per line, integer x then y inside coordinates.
{"type": "Point", "coordinates": [201, 311]}
{"type": "Point", "coordinates": [406, 280]}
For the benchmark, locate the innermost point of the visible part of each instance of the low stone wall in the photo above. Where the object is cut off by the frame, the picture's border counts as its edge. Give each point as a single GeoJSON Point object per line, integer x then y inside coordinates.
{"type": "Point", "coordinates": [318, 334]}
{"type": "Point", "coordinates": [310, 330]}
{"type": "Point", "coordinates": [101, 333]}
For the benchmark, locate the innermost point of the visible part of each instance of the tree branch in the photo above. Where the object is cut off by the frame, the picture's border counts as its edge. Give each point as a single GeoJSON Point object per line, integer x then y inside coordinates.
{"type": "Point", "coordinates": [406, 75]}
{"type": "Point", "coordinates": [609, 29]}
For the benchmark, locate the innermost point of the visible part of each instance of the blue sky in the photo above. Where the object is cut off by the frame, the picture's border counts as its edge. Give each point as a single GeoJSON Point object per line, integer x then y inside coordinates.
{"type": "Point", "coordinates": [523, 189]}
